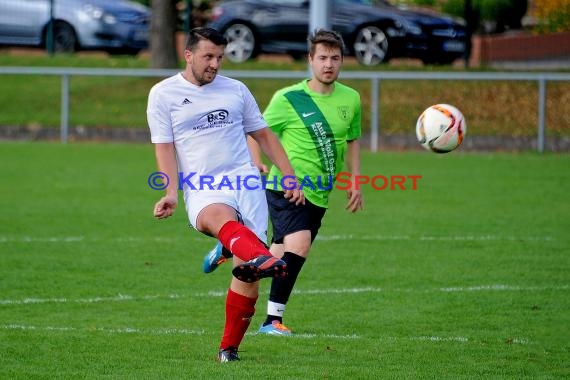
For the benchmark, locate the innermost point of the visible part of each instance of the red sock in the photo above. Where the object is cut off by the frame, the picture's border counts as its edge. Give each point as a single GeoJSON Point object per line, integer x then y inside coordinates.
{"type": "Point", "coordinates": [239, 311]}
{"type": "Point", "coordinates": [241, 241]}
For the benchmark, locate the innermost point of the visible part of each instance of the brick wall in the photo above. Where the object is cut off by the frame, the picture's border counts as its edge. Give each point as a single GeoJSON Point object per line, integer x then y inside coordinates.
{"type": "Point", "coordinates": [520, 47]}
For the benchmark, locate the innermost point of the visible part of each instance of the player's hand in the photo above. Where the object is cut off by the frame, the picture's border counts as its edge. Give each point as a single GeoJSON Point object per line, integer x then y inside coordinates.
{"type": "Point", "coordinates": [355, 201]}
{"type": "Point", "coordinates": [165, 206]}
{"type": "Point", "coordinates": [295, 195]}
{"type": "Point", "coordinates": [263, 169]}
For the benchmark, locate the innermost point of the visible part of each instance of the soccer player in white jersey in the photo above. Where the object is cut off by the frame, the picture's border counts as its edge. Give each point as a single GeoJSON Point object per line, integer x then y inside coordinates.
{"type": "Point", "coordinates": [198, 122]}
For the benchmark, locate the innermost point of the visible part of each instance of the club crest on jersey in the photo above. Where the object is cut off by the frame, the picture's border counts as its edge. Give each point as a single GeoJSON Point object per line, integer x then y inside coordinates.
{"type": "Point", "coordinates": [343, 112]}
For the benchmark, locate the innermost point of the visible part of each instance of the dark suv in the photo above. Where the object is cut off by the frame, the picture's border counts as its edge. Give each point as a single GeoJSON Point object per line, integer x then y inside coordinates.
{"type": "Point", "coordinates": [374, 31]}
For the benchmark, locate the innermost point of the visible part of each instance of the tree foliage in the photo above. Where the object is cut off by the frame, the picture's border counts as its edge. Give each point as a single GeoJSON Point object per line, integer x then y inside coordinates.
{"type": "Point", "coordinates": [552, 15]}
{"type": "Point", "coordinates": [491, 16]}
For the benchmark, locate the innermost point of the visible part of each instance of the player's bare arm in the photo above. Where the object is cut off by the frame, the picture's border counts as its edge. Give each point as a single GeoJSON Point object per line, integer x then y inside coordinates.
{"type": "Point", "coordinates": [256, 155]}
{"type": "Point", "coordinates": [355, 201]}
{"type": "Point", "coordinates": [271, 146]}
{"type": "Point", "coordinates": [166, 163]}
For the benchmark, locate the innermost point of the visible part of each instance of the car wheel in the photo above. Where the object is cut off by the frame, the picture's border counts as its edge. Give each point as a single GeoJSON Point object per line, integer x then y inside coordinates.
{"type": "Point", "coordinates": [64, 38]}
{"type": "Point", "coordinates": [371, 46]}
{"type": "Point", "coordinates": [241, 43]}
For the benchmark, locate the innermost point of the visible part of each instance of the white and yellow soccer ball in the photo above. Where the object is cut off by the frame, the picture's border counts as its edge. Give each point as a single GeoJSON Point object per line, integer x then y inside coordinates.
{"type": "Point", "coordinates": [441, 128]}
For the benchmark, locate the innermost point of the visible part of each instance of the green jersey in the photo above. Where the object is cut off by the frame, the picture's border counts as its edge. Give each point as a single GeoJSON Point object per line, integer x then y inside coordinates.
{"type": "Point", "coordinates": [314, 130]}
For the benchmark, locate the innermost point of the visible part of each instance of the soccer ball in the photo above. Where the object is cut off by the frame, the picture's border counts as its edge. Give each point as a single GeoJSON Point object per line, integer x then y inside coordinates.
{"type": "Point", "coordinates": [441, 128]}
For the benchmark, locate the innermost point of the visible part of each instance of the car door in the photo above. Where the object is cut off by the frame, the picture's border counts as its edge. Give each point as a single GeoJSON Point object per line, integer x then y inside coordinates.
{"type": "Point", "coordinates": [22, 21]}
{"type": "Point", "coordinates": [284, 24]}
{"type": "Point", "coordinates": [342, 16]}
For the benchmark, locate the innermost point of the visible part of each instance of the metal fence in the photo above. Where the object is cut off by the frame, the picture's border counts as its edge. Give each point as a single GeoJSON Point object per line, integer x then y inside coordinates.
{"type": "Point", "coordinates": [375, 78]}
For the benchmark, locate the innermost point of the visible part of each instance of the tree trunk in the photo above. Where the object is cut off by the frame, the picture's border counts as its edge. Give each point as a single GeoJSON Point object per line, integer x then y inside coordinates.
{"type": "Point", "coordinates": [162, 35]}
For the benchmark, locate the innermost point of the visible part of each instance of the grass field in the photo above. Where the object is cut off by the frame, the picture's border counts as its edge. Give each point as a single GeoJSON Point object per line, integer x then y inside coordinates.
{"type": "Point", "coordinates": [466, 277]}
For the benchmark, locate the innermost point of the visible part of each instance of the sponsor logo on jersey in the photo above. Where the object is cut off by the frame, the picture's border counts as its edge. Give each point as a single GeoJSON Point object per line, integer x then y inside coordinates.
{"type": "Point", "coordinates": [214, 119]}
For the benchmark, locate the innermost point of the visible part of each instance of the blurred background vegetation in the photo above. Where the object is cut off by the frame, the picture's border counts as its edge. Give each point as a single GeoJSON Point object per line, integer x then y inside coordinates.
{"type": "Point", "coordinates": [497, 16]}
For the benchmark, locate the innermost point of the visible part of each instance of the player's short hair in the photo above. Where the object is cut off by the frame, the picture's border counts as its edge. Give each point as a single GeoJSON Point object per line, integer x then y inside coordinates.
{"type": "Point", "coordinates": [202, 33]}
{"type": "Point", "coordinates": [329, 38]}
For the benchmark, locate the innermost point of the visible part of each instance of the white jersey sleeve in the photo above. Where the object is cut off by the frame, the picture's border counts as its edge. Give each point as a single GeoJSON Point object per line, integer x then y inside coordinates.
{"type": "Point", "coordinates": [253, 118]}
{"type": "Point", "coordinates": [158, 119]}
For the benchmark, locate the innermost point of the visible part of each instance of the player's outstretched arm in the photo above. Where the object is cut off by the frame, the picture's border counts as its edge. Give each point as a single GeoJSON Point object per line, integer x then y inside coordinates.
{"type": "Point", "coordinates": [166, 163]}
{"type": "Point", "coordinates": [273, 149]}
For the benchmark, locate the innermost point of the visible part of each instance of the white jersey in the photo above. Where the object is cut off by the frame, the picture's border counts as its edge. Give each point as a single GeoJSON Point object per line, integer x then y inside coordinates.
{"type": "Point", "coordinates": [207, 125]}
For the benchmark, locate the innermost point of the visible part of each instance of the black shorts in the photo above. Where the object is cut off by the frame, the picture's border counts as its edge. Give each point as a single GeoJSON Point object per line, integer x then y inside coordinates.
{"type": "Point", "coordinates": [286, 217]}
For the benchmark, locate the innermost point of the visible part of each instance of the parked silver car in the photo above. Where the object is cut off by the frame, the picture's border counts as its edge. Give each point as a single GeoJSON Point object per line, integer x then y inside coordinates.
{"type": "Point", "coordinates": [115, 26]}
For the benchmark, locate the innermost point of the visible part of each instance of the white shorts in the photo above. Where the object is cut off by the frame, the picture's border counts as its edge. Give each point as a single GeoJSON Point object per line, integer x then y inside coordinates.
{"type": "Point", "coordinates": [250, 204]}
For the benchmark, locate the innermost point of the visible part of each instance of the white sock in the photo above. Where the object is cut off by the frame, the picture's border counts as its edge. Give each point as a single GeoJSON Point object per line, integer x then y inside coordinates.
{"type": "Point", "coordinates": [274, 308]}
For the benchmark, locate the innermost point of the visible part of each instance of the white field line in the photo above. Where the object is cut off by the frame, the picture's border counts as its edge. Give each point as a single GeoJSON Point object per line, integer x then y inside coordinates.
{"type": "Point", "coordinates": [177, 331]}
{"type": "Point", "coordinates": [461, 339]}
{"type": "Point", "coordinates": [504, 288]}
{"type": "Point", "coordinates": [125, 330]}
{"type": "Point", "coordinates": [436, 238]}
{"type": "Point", "coordinates": [76, 239]}
{"type": "Point", "coordinates": [143, 331]}
{"type": "Point", "coordinates": [222, 293]}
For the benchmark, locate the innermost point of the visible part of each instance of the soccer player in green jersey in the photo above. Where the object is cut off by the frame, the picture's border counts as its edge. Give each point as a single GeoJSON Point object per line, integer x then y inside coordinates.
{"type": "Point", "coordinates": [318, 122]}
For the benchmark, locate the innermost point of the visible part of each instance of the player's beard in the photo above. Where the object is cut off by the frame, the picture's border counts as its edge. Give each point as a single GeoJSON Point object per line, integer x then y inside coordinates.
{"type": "Point", "coordinates": [207, 76]}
